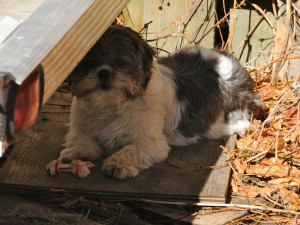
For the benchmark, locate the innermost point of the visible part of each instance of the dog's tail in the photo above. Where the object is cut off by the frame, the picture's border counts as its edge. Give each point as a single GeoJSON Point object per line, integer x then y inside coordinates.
{"type": "Point", "coordinates": [258, 109]}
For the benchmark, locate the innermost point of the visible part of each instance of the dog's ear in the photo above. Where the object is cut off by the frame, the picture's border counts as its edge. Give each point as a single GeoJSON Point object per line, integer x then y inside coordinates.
{"type": "Point", "coordinates": [147, 55]}
{"type": "Point", "coordinates": [144, 51]}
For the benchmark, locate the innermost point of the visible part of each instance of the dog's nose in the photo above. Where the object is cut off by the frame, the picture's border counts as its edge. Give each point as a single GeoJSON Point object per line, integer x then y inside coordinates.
{"type": "Point", "coordinates": [104, 74]}
{"type": "Point", "coordinates": [105, 79]}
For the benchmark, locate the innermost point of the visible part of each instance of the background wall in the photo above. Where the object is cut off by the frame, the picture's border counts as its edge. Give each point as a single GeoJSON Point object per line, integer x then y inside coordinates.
{"type": "Point", "coordinates": [263, 35]}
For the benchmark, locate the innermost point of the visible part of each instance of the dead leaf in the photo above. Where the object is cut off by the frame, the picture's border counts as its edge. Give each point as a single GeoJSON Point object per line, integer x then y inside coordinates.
{"type": "Point", "coordinates": [250, 191]}
{"type": "Point", "coordinates": [291, 197]}
{"type": "Point", "coordinates": [277, 125]}
{"type": "Point", "coordinates": [244, 143]}
{"type": "Point", "coordinates": [293, 137]}
{"type": "Point", "coordinates": [272, 92]}
{"type": "Point", "coordinates": [241, 165]}
{"type": "Point", "coordinates": [286, 182]}
{"type": "Point", "coordinates": [291, 112]}
{"type": "Point", "coordinates": [281, 133]}
{"type": "Point", "coordinates": [276, 171]}
{"type": "Point", "coordinates": [280, 144]}
{"type": "Point", "coordinates": [271, 161]}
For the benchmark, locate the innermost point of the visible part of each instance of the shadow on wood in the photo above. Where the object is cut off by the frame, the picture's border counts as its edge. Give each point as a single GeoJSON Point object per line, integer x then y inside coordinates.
{"type": "Point", "coordinates": [191, 174]}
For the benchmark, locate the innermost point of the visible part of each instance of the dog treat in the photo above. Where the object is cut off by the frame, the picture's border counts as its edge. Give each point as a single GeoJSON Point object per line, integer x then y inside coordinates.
{"type": "Point", "coordinates": [76, 167]}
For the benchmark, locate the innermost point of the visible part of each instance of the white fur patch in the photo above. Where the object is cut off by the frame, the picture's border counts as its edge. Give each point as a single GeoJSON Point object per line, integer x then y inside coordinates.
{"type": "Point", "coordinates": [241, 127]}
{"type": "Point", "coordinates": [225, 67]}
{"type": "Point", "coordinates": [218, 129]}
{"type": "Point", "coordinates": [238, 122]}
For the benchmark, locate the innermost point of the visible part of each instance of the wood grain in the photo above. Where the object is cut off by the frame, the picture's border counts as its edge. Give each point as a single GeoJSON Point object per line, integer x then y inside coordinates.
{"type": "Point", "coordinates": [190, 18]}
{"type": "Point", "coordinates": [253, 38]}
{"type": "Point", "coordinates": [187, 175]}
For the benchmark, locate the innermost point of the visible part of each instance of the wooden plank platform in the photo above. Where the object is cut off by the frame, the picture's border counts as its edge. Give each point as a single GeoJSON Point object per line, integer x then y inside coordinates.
{"type": "Point", "coordinates": [187, 175]}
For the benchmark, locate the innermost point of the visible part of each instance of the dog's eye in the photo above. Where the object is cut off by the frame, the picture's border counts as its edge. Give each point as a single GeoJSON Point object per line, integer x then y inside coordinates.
{"type": "Point", "coordinates": [90, 62]}
{"type": "Point", "coordinates": [120, 62]}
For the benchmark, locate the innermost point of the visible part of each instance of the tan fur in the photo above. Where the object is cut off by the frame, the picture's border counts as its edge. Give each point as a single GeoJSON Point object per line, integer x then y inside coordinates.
{"type": "Point", "coordinates": [109, 119]}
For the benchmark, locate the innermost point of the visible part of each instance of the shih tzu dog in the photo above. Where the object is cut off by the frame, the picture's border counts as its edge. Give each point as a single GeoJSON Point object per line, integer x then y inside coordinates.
{"type": "Point", "coordinates": [132, 108]}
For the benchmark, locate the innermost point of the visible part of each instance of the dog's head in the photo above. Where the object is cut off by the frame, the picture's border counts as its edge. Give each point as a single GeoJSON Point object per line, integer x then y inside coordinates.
{"type": "Point", "coordinates": [119, 63]}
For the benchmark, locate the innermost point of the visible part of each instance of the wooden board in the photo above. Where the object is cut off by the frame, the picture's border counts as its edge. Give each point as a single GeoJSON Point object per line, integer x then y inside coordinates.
{"type": "Point", "coordinates": [157, 213]}
{"type": "Point", "coordinates": [180, 23]}
{"type": "Point", "coordinates": [253, 37]}
{"type": "Point", "coordinates": [134, 15]}
{"type": "Point", "coordinates": [185, 176]}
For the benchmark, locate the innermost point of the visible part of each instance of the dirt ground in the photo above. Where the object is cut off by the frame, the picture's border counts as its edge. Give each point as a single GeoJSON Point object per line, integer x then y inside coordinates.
{"type": "Point", "coordinates": [21, 210]}
{"type": "Point", "coordinates": [51, 210]}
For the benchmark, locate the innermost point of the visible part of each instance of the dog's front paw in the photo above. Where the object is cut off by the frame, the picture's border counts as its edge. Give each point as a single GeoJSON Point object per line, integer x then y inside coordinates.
{"type": "Point", "coordinates": [118, 168]}
{"type": "Point", "coordinates": [72, 153]}
{"type": "Point", "coordinates": [68, 154]}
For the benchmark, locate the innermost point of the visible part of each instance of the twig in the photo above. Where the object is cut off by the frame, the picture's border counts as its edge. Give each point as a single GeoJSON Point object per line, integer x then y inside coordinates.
{"type": "Point", "coordinates": [249, 207]}
{"type": "Point", "coordinates": [292, 130]}
{"type": "Point", "coordinates": [187, 20]}
{"type": "Point", "coordinates": [229, 205]}
{"type": "Point", "coordinates": [238, 206]}
{"type": "Point", "coordinates": [263, 13]}
{"type": "Point", "coordinates": [279, 59]}
{"type": "Point", "coordinates": [250, 33]}
{"type": "Point", "coordinates": [175, 20]}
{"type": "Point", "coordinates": [218, 23]}
{"type": "Point", "coordinates": [276, 146]}
{"type": "Point", "coordinates": [229, 42]}
{"type": "Point", "coordinates": [274, 5]}
{"type": "Point", "coordinates": [258, 155]}
{"type": "Point", "coordinates": [296, 8]}
{"type": "Point", "coordinates": [120, 22]}
{"type": "Point", "coordinates": [272, 201]}
{"type": "Point", "coordinates": [271, 115]}
{"type": "Point", "coordinates": [169, 35]}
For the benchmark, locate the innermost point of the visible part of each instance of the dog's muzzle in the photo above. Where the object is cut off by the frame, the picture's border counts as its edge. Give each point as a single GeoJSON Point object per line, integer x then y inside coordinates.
{"type": "Point", "coordinates": [105, 77]}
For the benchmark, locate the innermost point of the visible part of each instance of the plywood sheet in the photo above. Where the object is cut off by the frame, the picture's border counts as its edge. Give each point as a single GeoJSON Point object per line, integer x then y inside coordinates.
{"type": "Point", "coordinates": [187, 175]}
{"type": "Point", "coordinates": [174, 24]}
{"type": "Point", "coordinates": [253, 37]}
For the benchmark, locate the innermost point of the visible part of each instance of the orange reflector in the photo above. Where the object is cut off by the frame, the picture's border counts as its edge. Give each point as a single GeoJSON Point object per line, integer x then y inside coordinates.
{"type": "Point", "coordinates": [27, 102]}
